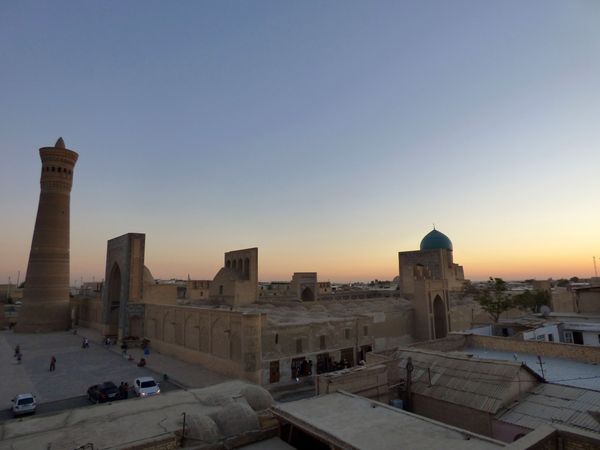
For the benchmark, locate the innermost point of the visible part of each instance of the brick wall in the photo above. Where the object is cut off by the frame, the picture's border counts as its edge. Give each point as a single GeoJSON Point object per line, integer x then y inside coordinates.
{"type": "Point", "coordinates": [452, 414]}
{"type": "Point", "coordinates": [451, 343]}
{"type": "Point", "coordinates": [583, 353]}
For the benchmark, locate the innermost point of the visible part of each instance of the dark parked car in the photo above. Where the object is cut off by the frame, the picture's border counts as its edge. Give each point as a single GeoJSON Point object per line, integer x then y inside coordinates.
{"type": "Point", "coordinates": [105, 392]}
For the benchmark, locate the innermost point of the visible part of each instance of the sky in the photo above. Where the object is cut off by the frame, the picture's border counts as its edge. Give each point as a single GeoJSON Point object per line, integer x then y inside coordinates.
{"type": "Point", "coordinates": [329, 134]}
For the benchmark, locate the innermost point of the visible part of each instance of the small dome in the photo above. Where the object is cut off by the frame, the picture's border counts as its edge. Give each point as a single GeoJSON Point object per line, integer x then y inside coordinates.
{"type": "Point", "coordinates": [436, 240]}
{"type": "Point", "coordinates": [59, 143]}
{"type": "Point", "coordinates": [257, 397]}
{"type": "Point", "coordinates": [235, 419]}
{"type": "Point", "coordinates": [147, 276]}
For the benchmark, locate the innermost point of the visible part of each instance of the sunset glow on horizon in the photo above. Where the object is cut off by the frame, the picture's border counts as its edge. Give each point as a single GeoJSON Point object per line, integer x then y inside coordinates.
{"type": "Point", "coordinates": [329, 135]}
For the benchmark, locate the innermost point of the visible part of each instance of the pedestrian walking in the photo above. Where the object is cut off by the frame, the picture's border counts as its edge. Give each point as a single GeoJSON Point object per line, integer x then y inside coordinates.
{"type": "Point", "coordinates": [86, 343]}
{"type": "Point", "coordinates": [17, 350]}
{"type": "Point", "coordinates": [19, 357]}
{"type": "Point", "coordinates": [125, 390]}
{"type": "Point", "coordinates": [52, 363]}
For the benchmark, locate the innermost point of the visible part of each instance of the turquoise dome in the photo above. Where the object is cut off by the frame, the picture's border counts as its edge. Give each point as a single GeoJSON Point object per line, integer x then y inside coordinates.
{"type": "Point", "coordinates": [435, 240]}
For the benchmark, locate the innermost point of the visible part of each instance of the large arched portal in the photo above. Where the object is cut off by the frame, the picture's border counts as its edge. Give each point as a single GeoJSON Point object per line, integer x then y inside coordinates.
{"type": "Point", "coordinates": [123, 285]}
{"type": "Point", "coordinates": [114, 298]}
{"type": "Point", "coordinates": [307, 295]}
{"type": "Point", "coordinates": [439, 318]}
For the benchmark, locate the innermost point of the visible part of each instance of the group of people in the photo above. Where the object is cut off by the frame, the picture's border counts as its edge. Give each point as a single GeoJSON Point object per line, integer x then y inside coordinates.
{"type": "Point", "coordinates": [19, 357]}
{"type": "Point", "coordinates": [303, 370]}
{"type": "Point", "coordinates": [329, 365]}
{"type": "Point", "coordinates": [123, 390]}
{"type": "Point", "coordinates": [86, 344]}
{"type": "Point", "coordinates": [129, 357]}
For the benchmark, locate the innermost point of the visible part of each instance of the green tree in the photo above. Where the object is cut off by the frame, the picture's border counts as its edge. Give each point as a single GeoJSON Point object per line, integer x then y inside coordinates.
{"type": "Point", "coordinates": [532, 301]}
{"type": "Point", "coordinates": [494, 298]}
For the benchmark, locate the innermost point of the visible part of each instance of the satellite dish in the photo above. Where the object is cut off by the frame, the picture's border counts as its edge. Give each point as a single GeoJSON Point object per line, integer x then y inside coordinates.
{"type": "Point", "coordinates": [545, 311]}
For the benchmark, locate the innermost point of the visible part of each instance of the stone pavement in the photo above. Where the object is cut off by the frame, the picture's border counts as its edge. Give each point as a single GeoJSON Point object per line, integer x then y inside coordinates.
{"type": "Point", "coordinates": [78, 368]}
{"type": "Point", "coordinates": [186, 374]}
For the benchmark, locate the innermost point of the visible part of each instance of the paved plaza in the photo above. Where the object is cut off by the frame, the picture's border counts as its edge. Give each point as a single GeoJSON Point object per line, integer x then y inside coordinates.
{"type": "Point", "coordinates": [78, 368]}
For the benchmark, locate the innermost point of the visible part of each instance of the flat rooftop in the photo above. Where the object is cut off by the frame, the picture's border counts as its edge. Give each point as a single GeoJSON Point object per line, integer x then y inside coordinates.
{"type": "Point", "coordinates": [556, 370]}
{"type": "Point", "coordinates": [290, 313]}
{"type": "Point", "coordinates": [350, 421]}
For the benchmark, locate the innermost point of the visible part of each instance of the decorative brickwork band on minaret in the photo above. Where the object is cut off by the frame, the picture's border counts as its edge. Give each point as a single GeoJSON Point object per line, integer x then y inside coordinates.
{"type": "Point", "coordinates": [46, 295]}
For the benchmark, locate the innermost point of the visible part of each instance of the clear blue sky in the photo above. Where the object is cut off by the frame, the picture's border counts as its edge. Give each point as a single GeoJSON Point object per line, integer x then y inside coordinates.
{"type": "Point", "coordinates": [330, 134]}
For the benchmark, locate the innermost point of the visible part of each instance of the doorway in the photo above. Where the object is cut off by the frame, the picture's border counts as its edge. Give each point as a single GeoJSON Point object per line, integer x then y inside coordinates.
{"type": "Point", "coordinates": [348, 355]}
{"type": "Point", "coordinates": [114, 299]}
{"type": "Point", "coordinates": [274, 372]}
{"type": "Point", "coordinates": [439, 318]}
{"type": "Point", "coordinates": [297, 367]}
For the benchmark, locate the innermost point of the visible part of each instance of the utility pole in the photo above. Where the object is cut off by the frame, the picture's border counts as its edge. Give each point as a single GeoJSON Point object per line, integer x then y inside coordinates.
{"type": "Point", "coordinates": [595, 267]}
{"type": "Point", "coordinates": [409, 369]}
{"type": "Point", "coordinates": [183, 430]}
{"type": "Point", "coordinates": [541, 366]}
{"type": "Point", "coordinates": [355, 341]}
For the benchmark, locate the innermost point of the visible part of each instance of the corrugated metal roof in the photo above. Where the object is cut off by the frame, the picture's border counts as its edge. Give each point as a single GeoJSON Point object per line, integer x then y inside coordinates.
{"type": "Point", "coordinates": [485, 385]}
{"type": "Point", "coordinates": [552, 403]}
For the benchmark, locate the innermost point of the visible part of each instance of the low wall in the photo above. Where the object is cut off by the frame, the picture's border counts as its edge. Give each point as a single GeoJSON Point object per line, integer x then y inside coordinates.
{"type": "Point", "coordinates": [460, 342]}
{"type": "Point", "coordinates": [370, 382]}
{"type": "Point", "coordinates": [452, 414]}
{"type": "Point", "coordinates": [451, 343]}
{"type": "Point", "coordinates": [582, 353]}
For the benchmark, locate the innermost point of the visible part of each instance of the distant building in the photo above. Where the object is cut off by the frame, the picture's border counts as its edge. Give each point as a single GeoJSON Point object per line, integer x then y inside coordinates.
{"type": "Point", "coordinates": [433, 261]}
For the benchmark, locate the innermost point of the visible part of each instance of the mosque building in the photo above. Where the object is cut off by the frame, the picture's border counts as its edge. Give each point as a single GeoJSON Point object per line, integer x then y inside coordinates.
{"type": "Point", "coordinates": [229, 324]}
{"type": "Point", "coordinates": [433, 261]}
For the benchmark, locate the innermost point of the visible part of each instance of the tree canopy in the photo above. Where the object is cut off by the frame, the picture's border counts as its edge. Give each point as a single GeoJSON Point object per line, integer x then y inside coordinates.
{"type": "Point", "coordinates": [494, 298]}
{"type": "Point", "coordinates": [532, 300]}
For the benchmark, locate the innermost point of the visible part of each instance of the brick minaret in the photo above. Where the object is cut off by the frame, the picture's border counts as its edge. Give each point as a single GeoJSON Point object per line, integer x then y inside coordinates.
{"type": "Point", "coordinates": [46, 295]}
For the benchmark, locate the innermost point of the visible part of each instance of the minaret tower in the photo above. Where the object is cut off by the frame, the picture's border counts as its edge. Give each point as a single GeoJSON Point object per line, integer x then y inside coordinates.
{"type": "Point", "coordinates": [46, 295]}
